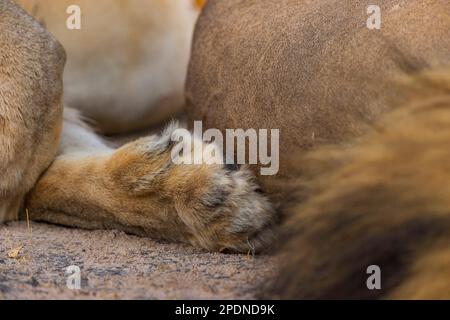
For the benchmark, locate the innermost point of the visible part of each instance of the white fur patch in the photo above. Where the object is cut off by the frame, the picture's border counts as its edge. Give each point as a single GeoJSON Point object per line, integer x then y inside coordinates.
{"type": "Point", "coordinates": [78, 137]}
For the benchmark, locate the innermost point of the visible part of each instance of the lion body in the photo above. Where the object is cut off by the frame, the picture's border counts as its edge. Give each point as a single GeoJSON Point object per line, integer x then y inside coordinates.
{"type": "Point", "coordinates": [30, 104]}
{"type": "Point", "coordinates": [364, 168]}
{"type": "Point", "coordinates": [309, 68]}
{"type": "Point", "coordinates": [126, 65]}
{"type": "Point", "coordinates": [382, 201]}
{"type": "Point", "coordinates": [362, 182]}
{"type": "Point", "coordinates": [57, 169]}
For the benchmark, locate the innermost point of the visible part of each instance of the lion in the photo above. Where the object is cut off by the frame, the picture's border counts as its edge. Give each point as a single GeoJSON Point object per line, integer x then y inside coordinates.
{"type": "Point", "coordinates": [312, 69]}
{"type": "Point", "coordinates": [381, 201]}
{"type": "Point", "coordinates": [354, 188]}
{"type": "Point", "coordinates": [55, 168]}
{"type": "Point", "coordinates": [126, 65]}
{"type": "Point", "coordinates": [363, 175]}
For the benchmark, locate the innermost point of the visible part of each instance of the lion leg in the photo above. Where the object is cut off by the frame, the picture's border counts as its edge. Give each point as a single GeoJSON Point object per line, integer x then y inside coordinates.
{"type": "Point", "coordinates": [31, 68]}
{"type": "Point", "coordinates": [137, 188]}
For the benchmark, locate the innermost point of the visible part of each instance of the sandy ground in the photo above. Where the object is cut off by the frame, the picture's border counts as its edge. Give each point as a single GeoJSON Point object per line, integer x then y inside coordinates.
{"type": "Point", "coordinates": [115, 265]}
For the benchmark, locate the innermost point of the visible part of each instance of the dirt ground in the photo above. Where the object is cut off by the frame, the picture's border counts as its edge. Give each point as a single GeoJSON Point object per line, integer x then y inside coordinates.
{"type": "Point", "coordinates": [115, 265]}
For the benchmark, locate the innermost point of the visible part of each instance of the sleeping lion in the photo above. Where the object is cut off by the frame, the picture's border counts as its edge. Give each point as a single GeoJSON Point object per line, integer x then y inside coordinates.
{"type": "Point", "coordinates": [363, 116]}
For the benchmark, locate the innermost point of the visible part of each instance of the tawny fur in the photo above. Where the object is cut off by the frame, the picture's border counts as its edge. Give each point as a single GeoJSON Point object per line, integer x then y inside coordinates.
{"type": "Point", "coordinates": [309, 68]}
{"type": "Point", "coordinates": [314, 70]}
{"type": "Point", "coordinates": [384, 201]}
{"type": "Point", "coordinates": [127, 64]}
{"type": "Point", "coordinates": [84, 182]}
{"type": "Point", "coordinates": [31, 65]}
{"type": "Point", "coordinates": [138, 189]}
